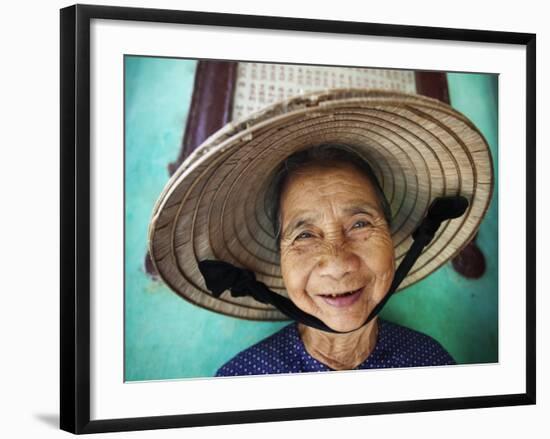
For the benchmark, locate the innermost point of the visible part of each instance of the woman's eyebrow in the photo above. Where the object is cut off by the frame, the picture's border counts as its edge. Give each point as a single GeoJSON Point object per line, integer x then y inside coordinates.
{"type": "Point", "coordinates": [298, 222]}
{"type": "Point", "coordinates": [368, 208]}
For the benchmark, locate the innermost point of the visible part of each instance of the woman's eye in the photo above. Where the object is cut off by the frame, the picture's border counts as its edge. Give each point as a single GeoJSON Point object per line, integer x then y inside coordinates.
{"type": "Point", "coordinates": [360, 224]}
{"type": "Point", "coordinates": [304, 235]}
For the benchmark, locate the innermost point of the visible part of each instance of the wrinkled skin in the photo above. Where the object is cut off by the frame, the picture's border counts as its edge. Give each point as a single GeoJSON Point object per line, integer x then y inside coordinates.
{"type": "Point", "coordinates": [335, 239]}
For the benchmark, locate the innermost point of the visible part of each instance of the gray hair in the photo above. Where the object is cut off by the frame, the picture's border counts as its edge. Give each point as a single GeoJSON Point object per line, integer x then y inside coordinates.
{"type": "Point", "coordinates": [323, 153]}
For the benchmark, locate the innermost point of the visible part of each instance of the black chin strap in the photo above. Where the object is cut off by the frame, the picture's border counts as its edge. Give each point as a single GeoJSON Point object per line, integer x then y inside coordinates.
{"type": "Point", "coordinates": [220, 276]}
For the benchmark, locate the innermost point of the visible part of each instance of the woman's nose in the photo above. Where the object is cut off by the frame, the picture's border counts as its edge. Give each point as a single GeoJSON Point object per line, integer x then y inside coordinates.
{"type": "Point", "coordinates": [338, 264]}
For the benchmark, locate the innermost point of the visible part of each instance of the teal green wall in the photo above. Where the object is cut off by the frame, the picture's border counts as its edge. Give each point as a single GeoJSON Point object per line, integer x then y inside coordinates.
{"type": "Point", "coordinates": [462, 314]}
{"type": "Point", "coordinates": [167, 337]}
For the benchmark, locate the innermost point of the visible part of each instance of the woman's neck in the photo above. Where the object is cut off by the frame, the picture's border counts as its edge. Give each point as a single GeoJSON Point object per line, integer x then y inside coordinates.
{"type": "Point", "coordinates": [340, 351]}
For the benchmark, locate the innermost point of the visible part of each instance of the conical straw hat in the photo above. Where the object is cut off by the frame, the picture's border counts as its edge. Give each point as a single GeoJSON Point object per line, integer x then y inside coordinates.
{"type": "Point", "coordinates": [213, 206]}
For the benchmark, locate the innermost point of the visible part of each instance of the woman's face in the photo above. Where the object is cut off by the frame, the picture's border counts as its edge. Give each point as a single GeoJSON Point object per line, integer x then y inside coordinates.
{"type": "Point", "coordinates": [337, 257]}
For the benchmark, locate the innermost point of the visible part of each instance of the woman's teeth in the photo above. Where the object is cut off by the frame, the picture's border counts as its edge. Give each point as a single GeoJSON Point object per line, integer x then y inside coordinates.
{"type": "Point", "coordinates": [342, 294]}
{"type": "Point", "coordinates": [343, 299]}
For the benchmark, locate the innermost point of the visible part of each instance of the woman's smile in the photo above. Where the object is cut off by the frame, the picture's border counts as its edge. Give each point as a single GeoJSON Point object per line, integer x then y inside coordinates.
{"type": "Point", "coordinates": [342, 299]}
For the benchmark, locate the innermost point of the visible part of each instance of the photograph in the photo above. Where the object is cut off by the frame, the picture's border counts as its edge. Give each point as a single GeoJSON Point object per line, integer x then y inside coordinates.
{"type": "Point", "coordinates": [305, 218]}
{"type": "Point", "coordinates": [275, 220]}
{"type": "Point", "coordinates": [271, 211]}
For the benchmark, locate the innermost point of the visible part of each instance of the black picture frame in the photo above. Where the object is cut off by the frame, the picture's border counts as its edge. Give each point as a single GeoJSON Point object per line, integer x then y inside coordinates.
{"type": "Point", "coordinates": [75, 217]}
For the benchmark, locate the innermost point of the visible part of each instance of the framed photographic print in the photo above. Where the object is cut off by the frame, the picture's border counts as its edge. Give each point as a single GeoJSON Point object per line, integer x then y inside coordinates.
{"type": "Point", "coordinates": [305, 218]}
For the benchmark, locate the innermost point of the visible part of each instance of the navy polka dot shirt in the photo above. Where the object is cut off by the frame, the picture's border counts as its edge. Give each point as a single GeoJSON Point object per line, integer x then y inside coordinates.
{"type": "Point", "coordinates": [284, 352]}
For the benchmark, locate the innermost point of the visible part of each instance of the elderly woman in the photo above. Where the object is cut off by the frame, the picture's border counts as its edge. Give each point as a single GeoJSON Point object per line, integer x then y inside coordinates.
{"type": "Point", "coordinates": [318, 171]}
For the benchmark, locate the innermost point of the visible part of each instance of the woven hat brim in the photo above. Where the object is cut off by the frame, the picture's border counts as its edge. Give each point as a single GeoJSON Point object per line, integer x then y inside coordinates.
{"type": "Point", "coordinates": [213, 207]}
